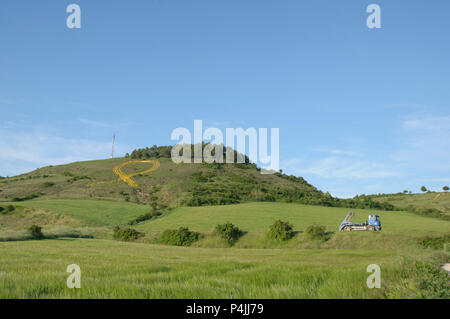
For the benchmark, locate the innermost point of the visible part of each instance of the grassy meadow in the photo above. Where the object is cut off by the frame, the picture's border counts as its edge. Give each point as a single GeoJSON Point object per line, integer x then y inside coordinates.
{"type": "Point", "coordinates": [37, 269]}
{"type": "Point", "coordinates": [89, 212]}
{"type": "Point", "coordinates": [254, 267]}
{"type": "Point", "coordinates": [258, 217]}
{"type": "Point", "coordinates": [434, 200]}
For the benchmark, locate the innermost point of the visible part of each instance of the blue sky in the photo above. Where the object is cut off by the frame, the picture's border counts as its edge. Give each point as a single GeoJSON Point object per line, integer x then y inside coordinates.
{"type": "Point", "coordinates": [359, 110]}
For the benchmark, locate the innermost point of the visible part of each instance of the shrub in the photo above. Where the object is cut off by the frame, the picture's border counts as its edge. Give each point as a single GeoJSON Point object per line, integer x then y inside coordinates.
{"type": "Point", "coordinates": [77, 178]}
{"type": "Point", "coordinates": [29, 197]}
{"type": "Point", "coordinates": [434, 242]}
{"type": "Point", "coordinates": [420, 279]}
{"type": "Point", "coordinates": [126, 233]}
{"type": "Point", "coordinates": [69, 174]}
{"type": "Point", "coordinates": [229, 232]}
{"type": "Point", "coordinates": [154, 213]}
{"type": "Point", "coordinates": [280, 231]}
{"type": "Point", "coordinates": [48, 184]}
{"type": "Point", "coordinates": [316, 232]}
{"type": "Point", "coordinates": [180, 237]}
{"type": "Point", "coordinates": [7, 209]}
{"type": "Point", "coordinates": [428, 212]}
{"type": "Point", "coordinates": [35, 232]}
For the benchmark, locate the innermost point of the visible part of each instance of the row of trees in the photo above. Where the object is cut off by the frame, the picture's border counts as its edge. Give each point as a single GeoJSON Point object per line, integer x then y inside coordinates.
{"type": "Point", "coordinates": [424, 189]}
{"type": "Point", "coordinates": [166, 152]}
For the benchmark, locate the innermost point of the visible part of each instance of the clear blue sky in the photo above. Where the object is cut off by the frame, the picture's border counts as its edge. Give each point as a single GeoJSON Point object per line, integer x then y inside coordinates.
{"type": "Point", "coordinates": [359, 110]}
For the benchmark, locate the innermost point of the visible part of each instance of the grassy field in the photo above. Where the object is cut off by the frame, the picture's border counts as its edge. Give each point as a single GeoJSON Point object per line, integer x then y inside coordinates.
{"type": "Point", "coordinates": [257, 217]}
{"type": "Point", "coordinates": [37, 269]}
{"type": "Point", "coordinates": [90, 212]}
{"type": "Point", "coordinates": [436, 200]}
{"type": "Point", "coordinates": [254, 267]}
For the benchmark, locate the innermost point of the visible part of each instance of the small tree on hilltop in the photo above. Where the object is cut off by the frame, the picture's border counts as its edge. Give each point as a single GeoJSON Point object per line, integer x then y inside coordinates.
{"type": "Point", "coordinates": [445, 188]}
{"type": "Point", "coordinates": [423, 189]}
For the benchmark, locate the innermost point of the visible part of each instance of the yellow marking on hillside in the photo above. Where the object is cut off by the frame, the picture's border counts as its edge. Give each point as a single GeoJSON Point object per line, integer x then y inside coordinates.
{"type": "Point", "coordinates": [127, 177]}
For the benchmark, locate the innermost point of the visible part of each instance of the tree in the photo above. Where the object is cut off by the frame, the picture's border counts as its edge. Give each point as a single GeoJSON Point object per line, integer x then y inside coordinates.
{"type": "Point", "coordinates": [35, 232]}
{"type": "Point", "coordinates": [405, 192]}
{"type": "Point", "coordinates": [445, 188]}
{"type": "Point", "coordinates": [423, 189]}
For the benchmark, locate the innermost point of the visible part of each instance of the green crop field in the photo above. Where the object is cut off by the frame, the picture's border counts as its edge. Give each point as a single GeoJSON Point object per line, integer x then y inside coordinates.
{"type": "Point", "coordinates": [37, 269]}
{"type": "Point", "coordinates": [300, 268]}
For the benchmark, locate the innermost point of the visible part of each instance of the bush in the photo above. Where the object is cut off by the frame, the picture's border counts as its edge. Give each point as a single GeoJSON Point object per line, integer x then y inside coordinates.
{"type": "Point", "coordinates": [229, 232]}
{"type": "Point", "coordinates": [280, 231]}
{"type": "Point", "coordinates": [428, 212]}
{"type": "Point", "coordinates": [7, 209]}
{"type": "Point", "coordinates": [29, 197]}
{"type": "Point", "coordinates": [180, 237]}
{"type": "Point", "coordinates": [77, 178]}
{"type": "Point", "coordinates": [420, 279]}
{"type": "Point", "coordinates": [35, 232]}
{"type": "Point", "coordinates": [142, 218]}
{"type": "Point", "coordinates": [48, 184]}
{"type": "Point", "coordinates": [69, 174]}
{"type": "Point", "coordinates": [316, 232]}
{"type": "Point", "coordinates": [434, 242]}
{"type": "Point", "coordinates": [126, 233]}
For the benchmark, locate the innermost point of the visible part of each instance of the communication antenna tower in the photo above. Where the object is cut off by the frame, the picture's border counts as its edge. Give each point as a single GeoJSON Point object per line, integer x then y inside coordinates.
{"type": "Point", "coordinates": [112, 149]}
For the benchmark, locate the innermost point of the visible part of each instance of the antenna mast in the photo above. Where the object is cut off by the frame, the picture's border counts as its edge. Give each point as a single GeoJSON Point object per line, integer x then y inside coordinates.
{"type": "Point", "coordinates": [112, 149]}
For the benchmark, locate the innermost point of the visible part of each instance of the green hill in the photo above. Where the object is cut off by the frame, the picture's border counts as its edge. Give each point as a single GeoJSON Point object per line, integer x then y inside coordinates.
{"type": "Point", "coordinates": [429, 204]}
{"type": "Point", "coordinates": [171, 185]}
{"type": "Point", "coordinates": [148, 176]}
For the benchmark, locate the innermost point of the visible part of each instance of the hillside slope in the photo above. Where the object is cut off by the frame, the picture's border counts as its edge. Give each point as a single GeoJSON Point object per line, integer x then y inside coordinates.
{"type": "Point", "coordinates": [171, 185]}
{"type": "Point", "coordinates": [428, 202]}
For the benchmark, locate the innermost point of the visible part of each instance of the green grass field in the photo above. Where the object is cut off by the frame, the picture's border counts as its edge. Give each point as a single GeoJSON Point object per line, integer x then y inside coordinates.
{"type": "Point", "coordinates": [253, 268]}
{"type": "Point", "coordinates": [436, 200]}
{"type": "Point", "coordinates": [257, 217]}
{"type": "Point", "coordinates": [37, 269]}
{"type": "Point", "coordinates": [90, 212]}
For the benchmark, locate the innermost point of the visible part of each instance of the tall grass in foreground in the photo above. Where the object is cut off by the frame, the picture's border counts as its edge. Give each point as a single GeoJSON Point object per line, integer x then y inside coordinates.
{"type": "Point", "coordinates": [37, 269]}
